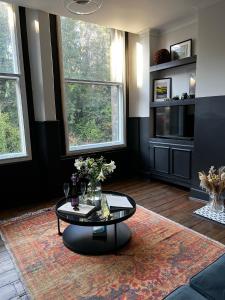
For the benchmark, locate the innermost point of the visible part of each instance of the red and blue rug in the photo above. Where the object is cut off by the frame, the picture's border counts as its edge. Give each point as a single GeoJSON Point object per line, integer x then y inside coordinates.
{"type": "Point", "coordinates": [161, 256]}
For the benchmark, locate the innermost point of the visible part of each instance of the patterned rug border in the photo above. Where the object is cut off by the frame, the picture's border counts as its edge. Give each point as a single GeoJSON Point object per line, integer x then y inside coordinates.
{"type": "Point", "coordinates": [22, 217]}
{"type": "Point", "coordinates": [15, 263]}
{"type": "Point", "coordinates": [26, 215]}
{"type": "Point", "coordinates": [182, 226]}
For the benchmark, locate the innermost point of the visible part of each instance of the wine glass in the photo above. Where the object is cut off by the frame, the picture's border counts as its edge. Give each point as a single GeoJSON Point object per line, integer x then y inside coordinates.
{"type": "Point", "coordinates": [66, 189]}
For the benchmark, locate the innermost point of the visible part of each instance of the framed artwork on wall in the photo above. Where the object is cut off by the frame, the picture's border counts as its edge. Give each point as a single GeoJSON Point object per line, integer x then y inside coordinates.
{"type": "Point", "coordinates": [162, 89]}
{"type": "Point", "coordinates": [181, 50]}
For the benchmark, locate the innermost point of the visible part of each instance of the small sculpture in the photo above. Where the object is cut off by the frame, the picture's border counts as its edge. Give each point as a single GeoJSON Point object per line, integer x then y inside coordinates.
{"type": "Point", "coordinates": [184, 96]}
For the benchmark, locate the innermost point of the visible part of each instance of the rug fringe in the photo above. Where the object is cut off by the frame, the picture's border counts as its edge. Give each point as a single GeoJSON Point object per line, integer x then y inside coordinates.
{"type": "Point", "coordinates": [26, 215]}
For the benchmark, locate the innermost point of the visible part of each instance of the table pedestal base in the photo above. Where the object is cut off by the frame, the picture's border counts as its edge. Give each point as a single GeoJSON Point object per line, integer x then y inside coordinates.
{"type": "Point", "coordinates": [80, 239]}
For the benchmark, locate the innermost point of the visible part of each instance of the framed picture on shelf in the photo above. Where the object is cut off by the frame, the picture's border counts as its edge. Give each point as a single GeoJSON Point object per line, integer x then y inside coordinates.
{"type": "Point", "coordinates": [162, 89]}
{"type": "Point", "coordinates": [181, 50]}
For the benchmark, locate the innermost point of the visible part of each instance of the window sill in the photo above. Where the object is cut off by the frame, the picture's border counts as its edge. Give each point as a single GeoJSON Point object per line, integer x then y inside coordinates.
{"type": "Point", "coordinates": [13, 158]}
{"type": "Point", "coordinates": [92, 149]}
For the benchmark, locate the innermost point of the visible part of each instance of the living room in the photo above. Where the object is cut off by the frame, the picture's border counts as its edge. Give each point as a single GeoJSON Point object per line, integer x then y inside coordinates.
{"type": "Point", "coordinates": [112, 149]}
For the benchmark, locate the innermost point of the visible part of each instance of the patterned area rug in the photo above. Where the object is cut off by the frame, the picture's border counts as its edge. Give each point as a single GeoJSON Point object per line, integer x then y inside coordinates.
{"type": "Point", "coordinates": [161, 256]}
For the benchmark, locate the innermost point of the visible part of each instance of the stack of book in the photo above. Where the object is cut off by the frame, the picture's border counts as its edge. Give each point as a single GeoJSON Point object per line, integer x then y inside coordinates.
{"type": "Point", "coordinates": [82, 210]}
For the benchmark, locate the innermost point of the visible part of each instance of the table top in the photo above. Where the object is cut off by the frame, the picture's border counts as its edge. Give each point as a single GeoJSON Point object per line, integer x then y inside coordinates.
{"type": "Point", "coordinates": [95, 218]}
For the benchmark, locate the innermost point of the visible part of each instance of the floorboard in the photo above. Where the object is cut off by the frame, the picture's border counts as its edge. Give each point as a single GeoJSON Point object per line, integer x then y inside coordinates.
{"type": "Point", "coordinates": [167, 200]}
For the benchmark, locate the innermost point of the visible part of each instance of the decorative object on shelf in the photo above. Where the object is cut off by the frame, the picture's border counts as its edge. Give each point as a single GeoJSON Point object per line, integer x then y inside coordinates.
{"type": "Point", "coordinates": [184, 96]}
{"type": "Point", "coordinates": [161, 56]}
{"type": "Point", "coordinates": [83, 7]}
{"type": "Point", "coordinates": [181, 50]}
{"type": "Point", "coordinates": [174, 64]}
{"type": "Point", "coordinates": [192, 84]}
{"type": "Point", "coordinates": [162, 89]}
{"type": "Point", "coordinates": [94, 171]}
{"type": "Point", "coordinates": [214, 184]}
{"type": "Point", "coordinates": [176, 97]}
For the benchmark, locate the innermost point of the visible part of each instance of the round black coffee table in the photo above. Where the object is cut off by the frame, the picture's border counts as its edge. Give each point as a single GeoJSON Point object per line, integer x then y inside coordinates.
{"type": "Point", "coordinates": [80, 236]}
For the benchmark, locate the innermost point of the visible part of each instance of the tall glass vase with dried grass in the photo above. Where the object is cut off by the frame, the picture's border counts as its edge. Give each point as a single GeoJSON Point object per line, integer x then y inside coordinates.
{"type": "Point", "coordinates": [214, 184]}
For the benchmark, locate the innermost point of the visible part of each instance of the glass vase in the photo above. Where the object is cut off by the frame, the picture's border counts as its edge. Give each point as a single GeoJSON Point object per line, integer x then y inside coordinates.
{"type": "Point", "coordinates": [94, 192]}
{"type": "Point", "coordinates": [216, 202]}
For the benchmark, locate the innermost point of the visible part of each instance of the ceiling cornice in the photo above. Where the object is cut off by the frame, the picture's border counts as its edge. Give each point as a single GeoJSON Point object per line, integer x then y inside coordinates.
{"type": "Point", "coordinates": [177, 25]}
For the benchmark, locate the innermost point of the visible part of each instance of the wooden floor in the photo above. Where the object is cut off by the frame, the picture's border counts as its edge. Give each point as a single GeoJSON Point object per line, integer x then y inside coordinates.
{"type": "Point", "coordinates": [167, 200]}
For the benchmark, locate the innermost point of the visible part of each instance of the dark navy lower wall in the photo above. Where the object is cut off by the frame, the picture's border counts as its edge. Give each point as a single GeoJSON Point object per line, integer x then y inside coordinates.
{"type": "Point", "coordinates": [209, 145]}
{"type": "Point", "coordinates": [42, 178]}
{"type": "Point", "coordinates": [138, 144]}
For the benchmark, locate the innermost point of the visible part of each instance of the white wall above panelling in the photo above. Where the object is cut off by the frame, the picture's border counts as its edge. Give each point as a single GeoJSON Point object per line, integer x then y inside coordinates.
{"type": "Point", "coordinates": [180, 78]}
{"type": "Point", "coordinates": [128, 15]}
{"type": "Point", "coordinates": [164, 39]}
{"type": "Point", "coordinates": [189, 31]}
{"type": "Point", "coordinates": [139, 75]}
{"type": "Point", "coordinates": [39, 42]}
{"type": "Point", "coordinates": [211, 58]}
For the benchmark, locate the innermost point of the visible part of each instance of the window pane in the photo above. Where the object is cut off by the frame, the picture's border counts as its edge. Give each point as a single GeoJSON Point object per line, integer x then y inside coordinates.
{"type": "Point", "coordinates": [10, 140]}
{"type": "Point", "coordinates": [93, 113]}
{"type": "Point", "coordinates": [86, 50]}
{"type": "Point", "coordinates": [7, 51]}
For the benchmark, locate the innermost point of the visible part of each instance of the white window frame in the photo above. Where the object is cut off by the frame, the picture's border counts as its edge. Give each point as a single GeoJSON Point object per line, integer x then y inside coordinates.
{"type": "Point", "coordinates": [21, 97]}
{"type": "Point", "coordinates": [90, 148]}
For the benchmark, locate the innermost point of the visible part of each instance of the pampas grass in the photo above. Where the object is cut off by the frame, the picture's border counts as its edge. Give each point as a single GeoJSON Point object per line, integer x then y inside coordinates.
{"type": "Point", "coordinates": [214, 181]}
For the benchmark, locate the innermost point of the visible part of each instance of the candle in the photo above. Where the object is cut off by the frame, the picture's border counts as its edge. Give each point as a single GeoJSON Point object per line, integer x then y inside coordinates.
{"type": "Point", "coordinates": [192, 84]}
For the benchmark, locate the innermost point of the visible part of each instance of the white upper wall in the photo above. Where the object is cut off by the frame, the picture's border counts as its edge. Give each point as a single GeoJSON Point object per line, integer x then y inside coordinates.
{"type": "Point", "coordinates": [211, 45]}
{"type": "Point", "coordinates": [179, 34]}
{"type": "Point", "coordinates": [39, 42]}
{"type": "Point", "coordinates": [164, 39]}
{"type": "Point", "coordinates": [139, 60]}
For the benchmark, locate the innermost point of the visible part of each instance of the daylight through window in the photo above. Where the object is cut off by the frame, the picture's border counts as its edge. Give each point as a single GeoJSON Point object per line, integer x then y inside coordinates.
{"type": "Point", "coordinates": [93, 65]}
{"type": "Point", "coordinates": [12, 131]}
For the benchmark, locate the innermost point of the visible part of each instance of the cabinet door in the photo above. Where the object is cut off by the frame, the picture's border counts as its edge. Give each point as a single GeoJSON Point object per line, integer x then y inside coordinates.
{"type": "Point", "coordinates": [181, 162]}
{"type": "Point", "coordinates": [160, 159]}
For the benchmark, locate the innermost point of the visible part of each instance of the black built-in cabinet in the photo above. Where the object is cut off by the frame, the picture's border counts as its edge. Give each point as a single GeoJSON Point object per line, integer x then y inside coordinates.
{"type": "Point", "coordinates": [171, 160]}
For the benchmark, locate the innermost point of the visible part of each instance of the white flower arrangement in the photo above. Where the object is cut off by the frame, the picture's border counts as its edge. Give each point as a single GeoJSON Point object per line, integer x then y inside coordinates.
{"type": "Point", "coordinates": [94, 169]}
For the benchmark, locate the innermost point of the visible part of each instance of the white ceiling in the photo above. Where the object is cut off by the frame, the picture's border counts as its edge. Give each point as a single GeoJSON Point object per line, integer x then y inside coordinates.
{"type": "Point", "coordinates": [128, 15]}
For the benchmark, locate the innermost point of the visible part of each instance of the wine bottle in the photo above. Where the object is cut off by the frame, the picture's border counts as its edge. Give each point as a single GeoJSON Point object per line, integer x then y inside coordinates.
{"type": "Point", "coordinates": [74, 191]}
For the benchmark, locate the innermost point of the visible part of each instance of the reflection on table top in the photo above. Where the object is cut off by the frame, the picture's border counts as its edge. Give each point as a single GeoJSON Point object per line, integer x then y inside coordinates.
{"type": "Point", "coordinates": [100, 216]}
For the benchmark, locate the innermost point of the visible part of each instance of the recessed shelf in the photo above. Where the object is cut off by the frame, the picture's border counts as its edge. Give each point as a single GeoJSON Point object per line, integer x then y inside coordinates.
{"type": "Point", "coordinates": [172, 103]}
{"type": "Point", "coordinates": [174, 64]}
